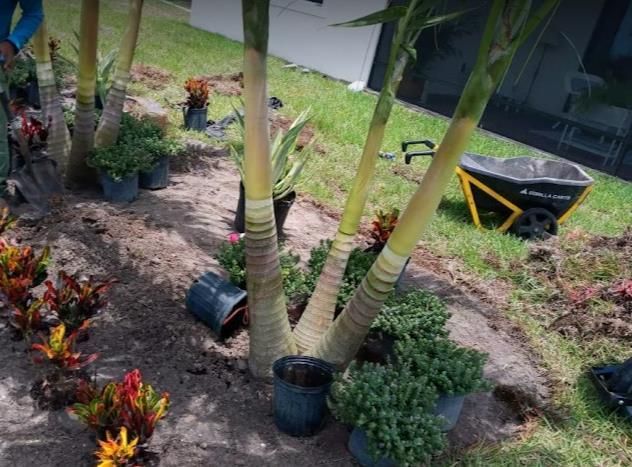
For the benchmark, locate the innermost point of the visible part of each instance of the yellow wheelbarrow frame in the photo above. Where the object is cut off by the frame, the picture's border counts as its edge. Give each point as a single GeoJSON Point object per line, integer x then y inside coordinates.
{"type": "Point", "coordinates": [466, 181]}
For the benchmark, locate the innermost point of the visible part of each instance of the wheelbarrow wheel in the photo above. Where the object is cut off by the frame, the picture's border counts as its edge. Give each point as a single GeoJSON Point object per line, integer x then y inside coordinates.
{"type": "Point", "coordinates": [535, 223]}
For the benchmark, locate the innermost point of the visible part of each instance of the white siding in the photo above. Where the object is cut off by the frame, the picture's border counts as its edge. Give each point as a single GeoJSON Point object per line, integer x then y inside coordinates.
{"type": "Point", "coordinates": [300, 32]}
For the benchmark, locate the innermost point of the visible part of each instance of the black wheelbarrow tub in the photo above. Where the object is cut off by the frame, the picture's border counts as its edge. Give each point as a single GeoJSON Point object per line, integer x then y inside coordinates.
{"type": "Point", "coordinates": [526, 182]}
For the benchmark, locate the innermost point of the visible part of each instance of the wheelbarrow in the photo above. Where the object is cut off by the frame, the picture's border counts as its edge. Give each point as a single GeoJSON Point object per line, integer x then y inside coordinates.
{"type": "Point", "coordinates": [614, 385]}
{"type": "Point", "coordinates": [534, 195]}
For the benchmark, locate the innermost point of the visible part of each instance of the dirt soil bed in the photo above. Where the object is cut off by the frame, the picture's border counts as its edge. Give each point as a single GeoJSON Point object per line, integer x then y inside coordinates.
{"type": "Point", "coordinates": [156, 247]}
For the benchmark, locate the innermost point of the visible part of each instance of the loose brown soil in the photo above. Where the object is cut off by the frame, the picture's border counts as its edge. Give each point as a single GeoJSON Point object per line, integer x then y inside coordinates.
{"type": "Point", "coordinates": [227, 85]}
{"type": "Point", "coordinates": [579, 276]}
{"type": "Point", "coordinates": [156, 247]}
{"type": "Point", "coordinates": [151, 76]}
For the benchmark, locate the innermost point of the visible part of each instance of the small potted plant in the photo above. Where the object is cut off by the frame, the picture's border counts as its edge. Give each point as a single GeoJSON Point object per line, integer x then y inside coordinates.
{"type": "Point", "coordinates": [287, 165]}
{"type": "Point", "coordinates": [118, 167]}
{"type": "Point", "coordinates": [416, 313]}
{"type": "Point", "coordinates": [390, 409]}
{"type": "Point", "coordinates": [160, 151]}
{"type": "Point", "coordinates": [196, 106]}
{"type": "Point", "coordinates": [453, 371]}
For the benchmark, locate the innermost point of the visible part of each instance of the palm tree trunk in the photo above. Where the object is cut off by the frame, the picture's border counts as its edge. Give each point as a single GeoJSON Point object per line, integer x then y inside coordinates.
{"type": "Point", "coordinates": [501, 37]}
{"type": "Point", "coordinates": [320, 311]}
{"type": "Point", "coordinates": [270, 334]}
{"type": "Point", "coordinates": [109, 125]}
{"type": "Point", "coordinates": [83, 135]}
{"type": "Point", "coordinates": [59, 137]}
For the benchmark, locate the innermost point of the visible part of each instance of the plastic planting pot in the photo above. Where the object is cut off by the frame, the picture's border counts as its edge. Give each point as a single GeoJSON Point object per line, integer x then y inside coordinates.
{"type": "Point", "coordinates": [216, 302]}
{"type": "Point", "coordinates": [359, 446]}
{"type": "Point", "coordinates": [124, 191]}
{"type": "Point", "coordinates": [195, 119]}
{"type": "Point", "coordinates": [281, 210]}
{"type": "Point", "coordinates": [449, 407]}
{"type": "Point", "coordinates": [301, 387]}
{"type": "Point", "coordinates": [157, 178]}
{"type": "Point", "coordinates": [33, 95]}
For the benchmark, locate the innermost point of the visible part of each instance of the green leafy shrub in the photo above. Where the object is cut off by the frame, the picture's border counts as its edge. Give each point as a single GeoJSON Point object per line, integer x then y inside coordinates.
{"type": "Point", "coordinates": [232, 257]}
{"type": "Point", "coordinates": [23, 71]}
{"type": "Point", "coordinates": [359, 264]}
{"type": "Point", "coordinates": [417, 313]}
{"type": "Point", "coordinates": [134, 129]}
{"type": "Point", "coordinates": [394, 407]}
{"type": "Point", "coordinates": [450, 369]}
{"type": "Point", "coordinates": [120, 160]}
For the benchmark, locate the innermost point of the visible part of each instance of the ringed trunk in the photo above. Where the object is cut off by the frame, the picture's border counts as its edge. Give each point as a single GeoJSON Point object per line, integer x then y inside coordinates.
{"type": "Point", "coordinates": [83, 134]}
{"type": "Point", "coordinates": [343, 339]}
{"type": "Point", "coordinates": [52, 111]}
{"type": "Point", "coordinates": [270, 334]}
{"type": "Point", "coordinates": [320, 311]}
{"type": "Point", "coordinates": [110, 122]}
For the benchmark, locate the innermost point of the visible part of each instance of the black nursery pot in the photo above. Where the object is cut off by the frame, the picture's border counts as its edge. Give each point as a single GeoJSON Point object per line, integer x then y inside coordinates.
{"type": "Point", "coordinates": [33, 95]}
{"type": "Point", "coordinates": [301, 387]}
{"type": "Point", "coordinates": [124, 191]}
{"type": "Point", "coordinates": [216, 302]}
{"type": "Point", "coordinates": [158, 177]}
{"type": "Point", "coordinates": [195, 119]}
{"type": "Point", "coordinates": [281, 210]}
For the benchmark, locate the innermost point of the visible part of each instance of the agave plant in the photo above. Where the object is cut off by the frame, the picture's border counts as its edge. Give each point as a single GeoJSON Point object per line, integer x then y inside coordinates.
{"type": "Point", "coordinates": [59, 349]}
{"type": "Point", "coordinates": [287, 162]}
{"type": "Point", "coordinates": [131, 403]}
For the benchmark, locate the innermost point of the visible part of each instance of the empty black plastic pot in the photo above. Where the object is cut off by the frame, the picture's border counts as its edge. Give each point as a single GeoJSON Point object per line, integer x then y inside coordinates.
{"type": "Point", "coordinates": [301, 387]}
{"type": "Point", "coordinates": [216, 302]}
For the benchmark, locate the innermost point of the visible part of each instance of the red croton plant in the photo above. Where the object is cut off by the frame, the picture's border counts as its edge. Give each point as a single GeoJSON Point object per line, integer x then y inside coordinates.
{"type": "Point", "coordinates": [198, 91]}
{"type": "Point", "coordinates": [59, 349]}
{"type": "Point", "coordinates": [73, 300]}
{"type": "Point", "coordinates": [382, 227]}
{"type": "Point", "coordinates": [131, 403]}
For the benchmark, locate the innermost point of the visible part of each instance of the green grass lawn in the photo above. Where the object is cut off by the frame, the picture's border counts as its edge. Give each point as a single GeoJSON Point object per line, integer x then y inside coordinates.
{"type": "Point", "coordinates": [341, 118]}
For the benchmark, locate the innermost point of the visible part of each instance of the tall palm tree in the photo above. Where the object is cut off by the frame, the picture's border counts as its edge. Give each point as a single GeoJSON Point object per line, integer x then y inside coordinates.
{"type": "Point", "coordinates": [59, 138]}
{"type": "Point", "coordinates": [410, 22]}
{"type": "Point", "coordinates": [503, 34]}
{"type": "Point", "coordinates": [270, 335]}
{"type": "Point", "coordinates": [109, 125]}
{"type": "Point", "coordinates": [83, 135]}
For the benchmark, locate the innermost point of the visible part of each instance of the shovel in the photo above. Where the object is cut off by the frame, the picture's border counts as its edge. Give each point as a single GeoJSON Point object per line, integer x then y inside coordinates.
{"type": "Point", "coordinates": [37, 180]}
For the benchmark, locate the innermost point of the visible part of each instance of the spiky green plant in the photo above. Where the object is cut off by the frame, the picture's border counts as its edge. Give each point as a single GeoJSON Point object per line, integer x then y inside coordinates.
{"type": "Point", "coordinates": [287, 162]}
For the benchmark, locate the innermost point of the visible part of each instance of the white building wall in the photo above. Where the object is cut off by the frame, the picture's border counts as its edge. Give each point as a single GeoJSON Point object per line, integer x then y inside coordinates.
{"type": "Point", "coordinates": [300, 32]}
